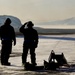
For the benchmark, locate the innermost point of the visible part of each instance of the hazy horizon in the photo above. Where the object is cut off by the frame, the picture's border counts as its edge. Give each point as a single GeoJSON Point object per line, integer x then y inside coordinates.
{"type": "Point", "coordinates": [38, 11]}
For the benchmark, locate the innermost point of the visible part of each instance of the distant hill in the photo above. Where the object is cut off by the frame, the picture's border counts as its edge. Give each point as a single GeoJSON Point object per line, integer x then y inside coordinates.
{"type": "Point", "coordinates": [16, 23]}
{"type": "Point", "coordinates": [54, 30]}
{"type": "Point", "coordinates": [69, 21]}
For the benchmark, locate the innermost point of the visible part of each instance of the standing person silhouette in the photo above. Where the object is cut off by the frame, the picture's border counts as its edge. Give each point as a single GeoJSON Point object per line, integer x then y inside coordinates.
{"type": "Point", "coordinates": [30, 42]}
{"type": "Point", "coordinates": [7, 35]}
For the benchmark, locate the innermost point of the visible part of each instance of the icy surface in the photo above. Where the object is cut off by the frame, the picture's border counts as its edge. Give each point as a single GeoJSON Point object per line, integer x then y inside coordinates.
{"type": "Point", "coordinates": [58, 43]}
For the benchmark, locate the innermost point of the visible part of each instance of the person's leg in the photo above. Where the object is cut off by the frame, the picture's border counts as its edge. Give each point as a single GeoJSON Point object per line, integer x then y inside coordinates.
{"type": "Point", "coordinates": [2, 58]}
{"type": "Point", "coordinates": [24, 55]}
{"type": "Point", "coordinates": [3, 53]}
{"type": "Point", "coordinates": [6, 59]}
{"type": "Point", "coordinates": [33, 56]}
{"type": "Point", "coordinates": [8, 52]}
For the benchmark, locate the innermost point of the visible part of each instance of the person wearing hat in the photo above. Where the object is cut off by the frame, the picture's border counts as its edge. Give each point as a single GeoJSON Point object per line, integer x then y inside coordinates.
{"type": "Point", "coordinates": [7, 35]}
{"type": "Point", "coordinates": [30, 42]}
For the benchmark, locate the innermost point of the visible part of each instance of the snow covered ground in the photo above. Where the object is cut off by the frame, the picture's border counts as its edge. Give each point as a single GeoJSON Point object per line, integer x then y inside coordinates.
{"type": "Point", "coordinates": [59, 43]}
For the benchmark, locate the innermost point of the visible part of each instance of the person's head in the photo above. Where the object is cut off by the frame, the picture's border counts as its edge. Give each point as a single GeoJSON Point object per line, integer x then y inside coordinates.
{"type": "Point", "coordinates": [8, 21]}
{"type": "Point", "coordinates": [30, 24]}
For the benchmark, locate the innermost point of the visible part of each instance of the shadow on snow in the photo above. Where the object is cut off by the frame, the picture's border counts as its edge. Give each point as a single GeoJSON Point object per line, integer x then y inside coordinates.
{"type": "Point", "coordinates": [59, 38]}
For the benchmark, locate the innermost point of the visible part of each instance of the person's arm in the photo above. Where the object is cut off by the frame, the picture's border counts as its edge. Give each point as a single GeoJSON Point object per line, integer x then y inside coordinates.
{"type": "Point", "coordinates": [14, 37]}
{"type": "Point", "coordinates": [22, 28]}
{"type": "Point", "coordinates": [14, 41]}
{"type": "Point", "coordinates": [0, 32]}
{"type": "Point", "coordinates": [36, 40]}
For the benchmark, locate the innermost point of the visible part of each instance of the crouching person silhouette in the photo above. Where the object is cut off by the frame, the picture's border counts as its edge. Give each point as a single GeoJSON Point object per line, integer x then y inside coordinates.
{"type": "Point", "coordinates": [7, 35]}
{"type": "Point", "coordinates": [30, 42]}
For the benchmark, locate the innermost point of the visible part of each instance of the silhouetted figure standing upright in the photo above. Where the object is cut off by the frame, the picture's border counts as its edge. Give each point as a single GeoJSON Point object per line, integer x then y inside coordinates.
{"type": "Point", "coordinates": [7, 35]}
{"type": "Point", "coordinates": [30, 42]}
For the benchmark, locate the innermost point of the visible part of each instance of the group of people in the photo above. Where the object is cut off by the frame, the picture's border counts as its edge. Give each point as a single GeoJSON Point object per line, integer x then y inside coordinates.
{"type": "Point", "coordinates": [7, 35]}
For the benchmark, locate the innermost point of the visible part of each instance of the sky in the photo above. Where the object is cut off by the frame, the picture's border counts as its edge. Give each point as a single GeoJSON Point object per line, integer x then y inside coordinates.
{"type": "Point", "coordinates": [38, 11]}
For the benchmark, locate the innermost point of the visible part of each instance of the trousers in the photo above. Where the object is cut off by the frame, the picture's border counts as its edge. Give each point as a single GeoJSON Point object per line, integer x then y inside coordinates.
{"type": "Point", "coordinates": [26, 48]}
{"type": "Point", "coordinates": [5, 51]}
